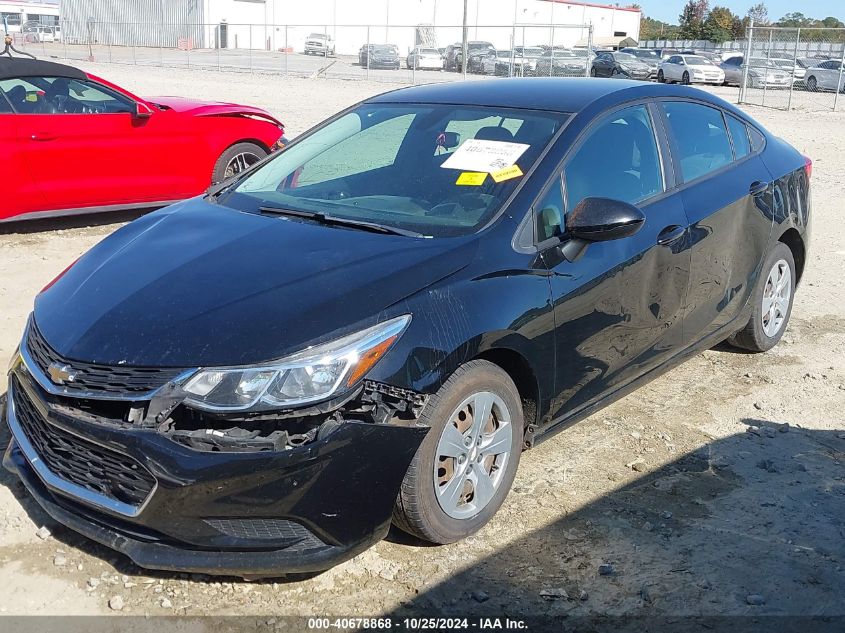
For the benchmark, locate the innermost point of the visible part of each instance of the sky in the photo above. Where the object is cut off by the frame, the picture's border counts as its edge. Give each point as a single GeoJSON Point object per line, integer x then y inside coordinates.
{"type": "Point", "coordinates": [669, 10]}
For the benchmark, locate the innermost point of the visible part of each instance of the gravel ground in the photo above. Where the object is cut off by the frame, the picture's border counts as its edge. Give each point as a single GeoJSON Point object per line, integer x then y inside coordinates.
{"type": "Point", "coordinates": [717, 489]}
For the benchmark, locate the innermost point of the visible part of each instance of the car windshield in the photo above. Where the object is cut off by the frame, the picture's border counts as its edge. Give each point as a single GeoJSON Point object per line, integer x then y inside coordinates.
{"type": "Point", "coordinates": [422, 168]}
{"type": "Point", "coordinates": [579, 52]}
{"type": "Point", "coordinates": [531, 52]}
{"type": "Point", "coordinates": [428, 51]}
{"type": "Point", "coordinates": [692, 60]}
{"type": "Point", "coordinates": [625, 57]}
{"type": "Point", "coordinates": [384, 48]}
{"type": "Point", "coordinates": [784, 63]}
{"type": "Point", "coordinates": [761, 62]}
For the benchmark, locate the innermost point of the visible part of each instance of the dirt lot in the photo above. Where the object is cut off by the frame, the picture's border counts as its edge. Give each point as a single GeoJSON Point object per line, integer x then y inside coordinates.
{"type": "Point", "coordinates": [739, 497]}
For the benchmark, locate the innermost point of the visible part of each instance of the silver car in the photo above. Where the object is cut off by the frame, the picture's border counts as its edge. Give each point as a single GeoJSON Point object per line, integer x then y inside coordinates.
{"type": "Point", "coordinates": [689, 69]}
{"type": "Point", "coordinates": [561, 62]}
{"type": "Point", "coordinates": [826, 75]}
{"type": "Point", "coordinates": [425, 58]}
{"type": "Point", "coordinates": [762, 73]}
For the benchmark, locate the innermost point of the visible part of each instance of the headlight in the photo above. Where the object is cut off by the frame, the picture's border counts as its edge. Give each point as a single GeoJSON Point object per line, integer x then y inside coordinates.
{"type": "Point", "coordinates": [307, 376]}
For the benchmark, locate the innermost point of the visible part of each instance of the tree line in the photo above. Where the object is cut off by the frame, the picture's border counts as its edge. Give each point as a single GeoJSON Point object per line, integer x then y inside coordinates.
{"type": "Point", "coordinates": [698, 21]}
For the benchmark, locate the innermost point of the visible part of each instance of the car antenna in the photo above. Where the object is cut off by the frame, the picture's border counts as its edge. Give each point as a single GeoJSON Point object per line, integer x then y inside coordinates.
{"type": "Point", "coordinates": [10, 47]}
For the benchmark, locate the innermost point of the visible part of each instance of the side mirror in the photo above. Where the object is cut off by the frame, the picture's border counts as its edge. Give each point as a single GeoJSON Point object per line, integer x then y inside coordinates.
{"type": "Point", "coordinates": [142, 111]}
{"type": "Point", "coordinates": [602, 219]}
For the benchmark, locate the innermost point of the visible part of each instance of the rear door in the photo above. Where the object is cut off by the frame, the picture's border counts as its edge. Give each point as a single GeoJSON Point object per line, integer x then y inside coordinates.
{"type": "Point", "coordinates": [20, 195]}
{"type": "Point", "coordinates": [726, 192]}
{"type": "Point", "coordinates": [618, 309]}
{"type": "Point", "coordinates": [86, 147]}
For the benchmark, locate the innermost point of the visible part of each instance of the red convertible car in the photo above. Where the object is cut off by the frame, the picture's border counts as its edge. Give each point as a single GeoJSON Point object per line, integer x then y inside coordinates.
{"type": "Point", "coordinates": [71, 142]}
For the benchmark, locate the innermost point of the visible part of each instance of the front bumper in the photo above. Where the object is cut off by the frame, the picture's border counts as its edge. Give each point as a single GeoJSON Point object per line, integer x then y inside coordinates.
{"type": "Point", "coordinates": [254, 514]}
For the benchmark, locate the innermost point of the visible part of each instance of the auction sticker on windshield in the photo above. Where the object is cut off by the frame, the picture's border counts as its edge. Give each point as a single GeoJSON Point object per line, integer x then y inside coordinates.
{"type": "Point", "coordinates": [485, 156]}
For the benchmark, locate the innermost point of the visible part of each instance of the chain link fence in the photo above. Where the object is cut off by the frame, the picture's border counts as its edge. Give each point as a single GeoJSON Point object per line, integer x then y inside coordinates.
{"type": "Point", "coordinates": [389, 52]}
{"type": "Point", "coordinates": [794, 68]}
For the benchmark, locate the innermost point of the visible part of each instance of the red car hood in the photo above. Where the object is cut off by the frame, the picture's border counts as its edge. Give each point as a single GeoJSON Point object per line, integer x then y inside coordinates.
{"type": "Point", "coordinates": [211, 108]}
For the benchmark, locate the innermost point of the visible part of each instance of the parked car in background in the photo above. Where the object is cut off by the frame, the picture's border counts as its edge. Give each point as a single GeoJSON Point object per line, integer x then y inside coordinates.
{"type": "Point", "coordinates": [503, 63]}
{"type": "Point", "coordinates": [826, 75]}
{"type": "Point", "coordinates": [450, 55]}
{"type": "Point", "coordinates": [646, 56]}
{"type": "Point", "coordinates": [619, 65]}
{"type": "Point", "coordinates": [39, 33]}
{"type": "Point", "coordinates": [762, 73]}
{"type": "Point", "coordinates": [476, 51]}
{"type": "Point", "coordinates": [792, 67]}
{"type": "Point", "coordinates": [561, 62]}
{"type": "Point", "coordinates": [75, 143]}
{"type": "Point", "coordinates": [320, 44]}
{"type": "Point", "coordinates": [529, 55]}
{"type": "Point", "coordinates": [713, 56]}
{"type": "Point", "coordinates": [379, 56]}
{"type": "Point", "coordinates": [690, 69]}
{"type": "Point", "coordinates": [424, 58]}
{"type": "Point", "coordinates": [360, 332]}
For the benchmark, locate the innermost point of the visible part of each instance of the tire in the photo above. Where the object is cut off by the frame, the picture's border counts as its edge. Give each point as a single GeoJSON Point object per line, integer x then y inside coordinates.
{"type": "Point", "coordinates": [593, 72]}
{"type": "Point", "coordinates": [661, 78]}
{"type": "Point", "coordinates": [756, 336]}
{"type": "Point", "coordinates": [685, 79]}
{"type": "Point", "coordinates": [419, 510]}
{"type": "Point", "coordinates": [251, 154]}
{"type": "Point", "coordinates": [812, 84]}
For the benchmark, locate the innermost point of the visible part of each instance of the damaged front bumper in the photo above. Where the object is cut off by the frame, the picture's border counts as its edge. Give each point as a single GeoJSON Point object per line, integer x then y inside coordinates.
{"type": "Point", "coordinates": [177, 499]}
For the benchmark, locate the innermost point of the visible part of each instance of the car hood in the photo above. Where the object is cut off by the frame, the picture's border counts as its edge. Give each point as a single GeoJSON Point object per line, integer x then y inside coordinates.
{"type": "Point", "coordinates": [198, 284]}
{"type": "Point", "coordinates": [211, 108]}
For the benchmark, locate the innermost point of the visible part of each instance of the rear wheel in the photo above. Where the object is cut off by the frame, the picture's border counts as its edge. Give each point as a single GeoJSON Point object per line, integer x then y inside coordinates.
{"type": "Point", "coordinates": [773, 298]}
{"type": "Point", "coordinates": [661, 78]}
{"type": "Point", "coordinates": [464, 468]}
{"type": "Point", "coordinates": [593, 71]}
{"type": "Point", "coordinates": [235, 160]}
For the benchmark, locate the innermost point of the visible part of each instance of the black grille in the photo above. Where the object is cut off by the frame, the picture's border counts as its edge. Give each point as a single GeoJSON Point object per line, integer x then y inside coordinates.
{"type": "Point", "coordinates": [79, 461]}
{"type": "Point", "coordinates": [266, 529]}
{"type": "Point", "coordinates": [93, 378]}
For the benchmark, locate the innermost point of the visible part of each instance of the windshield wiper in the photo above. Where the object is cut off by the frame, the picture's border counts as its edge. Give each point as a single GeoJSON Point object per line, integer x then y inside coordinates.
{"type": "Point", "coordinates": [333, 220]}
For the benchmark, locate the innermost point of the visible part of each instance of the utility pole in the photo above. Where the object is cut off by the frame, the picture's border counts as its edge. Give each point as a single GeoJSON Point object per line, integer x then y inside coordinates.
{"type": "Point", "coordinates": [464, 48]}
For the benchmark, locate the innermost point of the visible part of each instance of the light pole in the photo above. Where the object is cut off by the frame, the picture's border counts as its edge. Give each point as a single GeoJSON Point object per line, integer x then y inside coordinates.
{"type": "Point", "coordinates": [464, 50]}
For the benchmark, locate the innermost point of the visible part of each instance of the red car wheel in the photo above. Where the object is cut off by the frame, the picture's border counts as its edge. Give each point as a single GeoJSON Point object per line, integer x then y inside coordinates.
{"type": "Point", "coordinates": [235, 160]}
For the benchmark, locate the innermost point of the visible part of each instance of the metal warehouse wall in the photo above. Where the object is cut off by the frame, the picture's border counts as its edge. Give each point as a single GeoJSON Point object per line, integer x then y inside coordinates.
{"type": "Point", "coordinates": [133, 23]}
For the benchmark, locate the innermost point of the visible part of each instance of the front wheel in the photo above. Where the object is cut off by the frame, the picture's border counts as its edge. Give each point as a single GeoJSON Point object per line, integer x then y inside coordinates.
{"type": "Point", "coordinates": [773, 298]}
{"type": "Point", "coordinates": [685, 79]}
{"type": "Point", "coordinates": [661, 78]}
{"type": "Point", "coordinates": [593, 72]}
{"type": "Point", "coordinates": [812, 84]}
{"type": "Point", "coordinates": [464, 468]}
{"type": "Point", "coordinates": [235, 160]}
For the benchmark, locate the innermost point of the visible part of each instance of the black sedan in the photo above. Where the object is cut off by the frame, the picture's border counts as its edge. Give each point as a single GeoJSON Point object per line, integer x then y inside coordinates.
{"type": "Point", "coordinates": [379, 56]}
{"type": "Point", "coordinates": [372, 325]}
{"type": "Point", "coordinates": [620, 66]}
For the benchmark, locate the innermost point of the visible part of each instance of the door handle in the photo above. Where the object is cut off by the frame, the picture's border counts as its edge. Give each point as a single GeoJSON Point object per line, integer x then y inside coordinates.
{"type": "Point", "coordinates": [758, 187]}
{"type": "Point", "coordinates": [670, 234]}
{"type": "Point", "coordinates": [43, 136]}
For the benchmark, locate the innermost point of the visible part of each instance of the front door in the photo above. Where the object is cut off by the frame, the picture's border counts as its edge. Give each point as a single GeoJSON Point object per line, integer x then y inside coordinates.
{"type": "Point", "coordinates": [618, 309]}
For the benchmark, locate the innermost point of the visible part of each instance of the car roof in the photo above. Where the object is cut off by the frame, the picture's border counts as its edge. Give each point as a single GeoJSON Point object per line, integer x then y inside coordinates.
{"type": "Point", "coordinates": [552, 94]}
{"type": "Point", "coordinates": [12, 67]}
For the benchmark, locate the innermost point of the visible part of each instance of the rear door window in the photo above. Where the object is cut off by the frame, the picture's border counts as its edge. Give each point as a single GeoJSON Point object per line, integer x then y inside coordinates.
{"type": "Point", "coordinates": [700, 137]}
{"type": "Point", "coordinates": [739, 136]}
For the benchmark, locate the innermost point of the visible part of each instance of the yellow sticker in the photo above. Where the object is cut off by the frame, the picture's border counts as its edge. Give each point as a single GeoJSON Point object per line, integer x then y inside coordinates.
{"type": "Point", "coordinates": [474, 178]}
{"type": "Point", "coordinates": [507, 173]}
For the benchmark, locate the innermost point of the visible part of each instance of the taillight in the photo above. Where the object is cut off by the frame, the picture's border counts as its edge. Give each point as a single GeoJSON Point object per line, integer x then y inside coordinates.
{"type": "Point", "coordinates": [59, 276]}
{"type": "Point", "coordinates": [808, 166]}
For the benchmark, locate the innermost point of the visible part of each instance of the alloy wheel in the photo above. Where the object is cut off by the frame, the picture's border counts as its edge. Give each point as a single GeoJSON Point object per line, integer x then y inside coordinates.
{"type": "Point", "coordinates": [239, 163]}
{"type": "Point", "coordinates": [777, 294]}
{"type": "Point", "coordinates": [472, 455]}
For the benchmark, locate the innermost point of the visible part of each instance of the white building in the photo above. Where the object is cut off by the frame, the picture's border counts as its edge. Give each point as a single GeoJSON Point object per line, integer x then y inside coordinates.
{"type": "Point", "coordinates": [16, 13]}
{"type": "Point", "coordinates": [279, 24]}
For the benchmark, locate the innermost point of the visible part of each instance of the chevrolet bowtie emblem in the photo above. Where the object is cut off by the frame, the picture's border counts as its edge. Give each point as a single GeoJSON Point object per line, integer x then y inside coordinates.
{"type": "Point", "coordinates": [60, 374]}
